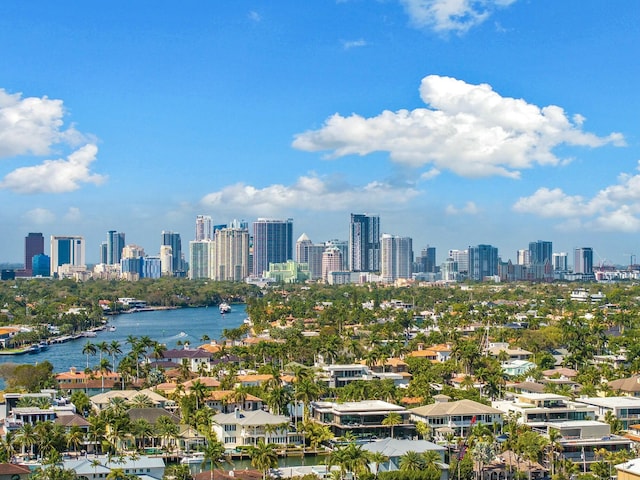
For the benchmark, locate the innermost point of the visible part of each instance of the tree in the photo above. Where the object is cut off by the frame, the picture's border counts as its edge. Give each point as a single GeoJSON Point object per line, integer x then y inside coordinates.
{"type": "Point", "coordinates": [264, 457]}
{"type": "Point", "coordinates": [377, 458]}
{"type": "Point", "coordinates": [177, 472]}
{"type": "Point", "coordinates": [411, 462]}
{"type": "Point", "coordinates": [89, 349]}
{"type": "Point", "coordinates": [213, 455]}
{"type": "Point", "coordinates": [75, 438]}
{"type": "Point", "coordinates": [26, 437]}
{"type": "Point", "coordinates": [391, 420]}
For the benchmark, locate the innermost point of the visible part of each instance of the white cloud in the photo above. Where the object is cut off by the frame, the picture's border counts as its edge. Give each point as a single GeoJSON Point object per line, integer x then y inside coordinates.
{"type": "Point", "coordinates": [428, 175]}
{"type": "Point", "coordinates": [451, 15]}
{"type": "Point", "coordinates": [32, 125]}
{"type": "Point", "coordinates": [73, 215]}
{"type": "Point", "coordinates": [40, 216]}
{"type": "Point", "coordinates": [55, 176]}
{"type": "Point", "coordinates": [349, 44]}
{"type": "Point", "coordinates": [615, 208]}
{"type": "Point", "coordinates": [470, 208]}
{"type": "Point", "coordinates": [309, 193]}
{"type": "Point", "coordinates": [469, 129]}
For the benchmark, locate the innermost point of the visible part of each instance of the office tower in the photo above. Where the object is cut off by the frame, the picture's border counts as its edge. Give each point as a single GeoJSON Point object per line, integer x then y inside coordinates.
{"type": "Point", "coordinates": [449, 270]}
{"type": "Point", "coordinates": [33, 245]}
{"type": "Point", "coordinates": [461, 257]}
{"type": "Point", "coordinates": [166, 260]}
{"type": "Point", "coordinates": [396, 257]}
{"type": "Point", "coordinates": [331, 262]}
{"type": "Point", "coordinates": [231, 255]}
{"type": "Point", "coordinates": [523, 257]}
{"type": "Point", "coordinates": [343, 246]}
{"type": "Point", "coordinates": [272, 243]}
{"type": "Point", "coordinates": [172, 239]}
{"type": "Point", "coordinates": [364, 243]}
{"type": "Point", "coordinates": [483, 262]}
{"type": "Point", "coordinates": [115, 243]}
{"type": "Point", "coordinates": [239, 224]}
{"type": "Point", "coordinates": [132, 251]}
{"type": "Point", "coordinates": [152, 267]}
{"type": "Point", "coordinates": [103, 252]}
{"type": "Point", "coordinates": [41, 265]}
{"type": "Point", "coordinates": [427, 260]}
{"type": "Point", "coordinates": [204, 229]}
{"type": "Point", "coordinates": [311, 254]}
{"type": "Point", "coordinates": [66, 250]}
{"type": "Point", "coordinates": [559, 261]}
{"type": "Point", "coordinates": [200, 256]}
{"type": "Point", "coordinates": [540, 253]}
{"type": "Point", "coordinates": [583, 260]}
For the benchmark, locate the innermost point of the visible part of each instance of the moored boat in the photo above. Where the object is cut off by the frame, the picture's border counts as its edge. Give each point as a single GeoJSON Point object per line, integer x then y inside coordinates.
{"type": "Point", "coordinates": [224, 307]}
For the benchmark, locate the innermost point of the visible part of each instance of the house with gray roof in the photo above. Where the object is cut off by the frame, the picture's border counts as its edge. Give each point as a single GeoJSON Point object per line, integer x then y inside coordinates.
{"type": "Point", "coordinates": [456, 417]}
{"type": "Point", "coordinates": [246, 428]}
{"type": "Point", "coordinates": [98, 467]}
{"type": "Point", "coordinates": [394, 449]}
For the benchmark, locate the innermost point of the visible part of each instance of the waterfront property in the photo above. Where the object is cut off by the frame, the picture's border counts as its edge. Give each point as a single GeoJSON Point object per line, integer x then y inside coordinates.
{"type": "Point", "coordinates": [99, 467]}
{"type": "Point", "coordinates": [365, 419]}
{"type": "Point", "coordinates": [246, 428]}
{"type": "Point", "coordinates": [394, 449]}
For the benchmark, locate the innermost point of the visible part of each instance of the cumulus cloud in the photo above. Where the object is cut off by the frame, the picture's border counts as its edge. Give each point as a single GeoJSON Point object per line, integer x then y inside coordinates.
{"type": "Point", "coordinates": [615, 208]}
{"type": "Point", "coordinates": [40, 216]}
{"type": "Point", "coordinates": [349, 44]}
{"type": "Point", "coordinates": [310, 193]}
{"type": "Point", "coordinates": [470, 130]}
{"type": "Point", "coordinates": [32, 125]}
{"type": "Point", "coordinates": [55, 176]}
{"type": "Point", "coordinates": [470, 208]}
{"type": "Point", "coordinates": [456, 16]}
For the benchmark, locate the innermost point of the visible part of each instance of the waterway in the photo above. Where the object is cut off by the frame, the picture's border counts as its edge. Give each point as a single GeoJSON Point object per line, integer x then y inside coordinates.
{"type": "Point", "coordinates": [170, 327]}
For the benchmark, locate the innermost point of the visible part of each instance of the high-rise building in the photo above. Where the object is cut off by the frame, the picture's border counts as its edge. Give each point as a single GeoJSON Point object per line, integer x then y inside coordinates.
{"type": "Point", "coordinates": [343, 246]}
{"type": "Point", "coordinates": [166, 260]}
{"type": "Point", "coordinates": [115, 244]}
{"type": "Point", "coordinates": [449, 270]}
{"type": "Point", "coordinates": [559, 261]}
{"type": "Point", "coordinates": [483, 262]}
{"type": "Point", "coordinates": [364, 243]}
{"type": "Point", "coordinates": [583, 260]}
{"type": "Point", "coordinates": [523, 257]}
{"type": "Point", "coordinates": [41, 265]}
{"type": "Point", "coordinates": [311, 254]}
{"type": "Point", "coordinates": [200, 259]}
{"type": "Point", "coordinates": [540, 254]}
{"type": "Point", "coordinates": [204, 228]}
{"type": "Point", "coordinates": [33, 245]}
{"type": "Point", "coordinates": [396, 257]}
{"type": "Point", "coordinates": [272, 243]}
{"type": "Point", "coordinates": [461, 257]}
{"type": "Point", "coordinates": [172, 239]}
{"type": "Point", "coordinates": [427, 260]}
{"type": "Point", "coordinates": [152, 267]}
{"type": "Point", "coordinates": [66, 250]}
{"type": "Point", "coordinates": [331, 262]}
{"type": "Point", "coordinates": [231, 257]}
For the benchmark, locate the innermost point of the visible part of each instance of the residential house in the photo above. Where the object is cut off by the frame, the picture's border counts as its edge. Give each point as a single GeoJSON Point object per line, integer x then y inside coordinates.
{"type": "Point", "coordinates": [394, 449]}
{"type": "Point", "coordinates": [12, 471]}
{"type": "Point", "coordinates": [225, 401]}
{"type": "Point", "coordinates": [142, 466]}
{"type": "Point", "coordinates": [196, 359]}
{"type": "Point", "coordinates": [365, 419]}
{"type": "Point", "coordinates": [102, 401]}
{"type": "Point", "coordinates": [625, 409]}
{"type": "Point", "coordinates": [629, 386]}
{"type": "Point", "coordinates": [628, 470]}
{"type": "Point", "coordinates": [91, 383]}
{"type": "Point", "coordinates": [455, 417]}
{"type": "Point", "coordinates": [245, 428]}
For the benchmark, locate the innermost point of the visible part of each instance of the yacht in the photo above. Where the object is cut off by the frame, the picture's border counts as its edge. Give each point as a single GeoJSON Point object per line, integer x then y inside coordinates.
{"type": "Point", "coordinates": [224, 307]}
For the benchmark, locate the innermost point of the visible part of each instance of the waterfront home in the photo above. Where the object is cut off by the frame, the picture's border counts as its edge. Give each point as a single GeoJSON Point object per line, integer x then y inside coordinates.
{"type": "Point", "coordinates": [537, 410]}
{"type": "Point", "coordinates": [337, 376]}
{"type": "Point", "coordinates": [365, 419]}
{"type": "Point", "coordinates": [629, 386]}
{"type": "Point", "coordinates": [227, 401]}
{"type": "Point", "coordinates": [91, 383]}
{"type": "Point", "coordinates": [455, 417]}
{"type": "Point", "coordinates": [515, 368]}
{"type": "Point", "coordinates": [196, 359]}
{"type": "Point", "coordinates": [102, 401]}
{"type": "Point", "coordinates": [435, 353]}
{"type": "Point", "coordinates": [253, 380]}
{"type": "Point", "coordinates": [626, 409]}
{"type": "Point", "coordinates": [12, 471]}
{"type": "Point", "coordinates": [394, 449]}
{"type": "Point", "coordinates": [246, 428]}
{"type": "Point", "coordinates": [629, 470]}
{"type": "Point", "coordinates": [497, 349]}
{"type": "Point", "coordinates": [99, 467]}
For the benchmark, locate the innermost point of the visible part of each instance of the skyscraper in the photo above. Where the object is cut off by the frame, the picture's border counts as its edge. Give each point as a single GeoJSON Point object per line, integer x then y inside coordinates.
{"type": "Point", "coordinates": [559, 261]}
{"type": "Point", "coordinates": [396, 257]}
{"type": "Point", "coordinates": [311, 254]}
{"type": "Point", "coordinates": [427, 260]}
{"type": "Point", "coordinates": [200, 259]}
{"type": "Point", "coordinates": [583, 260]}
{"type": "Point", "coordinates": [172, 239]}
{"type": "Point", "coordinates": [272, 243]}
{"type": "Point", "coordinates": [364, 243]}
{"type": "Point", "coordinates": [343, 246]}
{"type": "Point", "coordinates": [540, 258]}
{"type": "Point", "coordinates": [66, 250]}
{"type": "Point", "coordinates": [33, 245]}
{"type": "Point", "coordinates": [231, 255]}
{"type": "Point", "coordinates": [115, 244]}
{"type": "Point", "coordinates": [483, 262]}
{"type": "Point", "coordinates": [204, 228]}
{"type": "Point", "coordinates": [461, 257]}
{"type": "Point", "coordinates": [331, 262]}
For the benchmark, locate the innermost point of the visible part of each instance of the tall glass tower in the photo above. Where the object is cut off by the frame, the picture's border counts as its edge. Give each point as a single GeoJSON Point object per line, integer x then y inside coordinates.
{"type": "Point", "coordinates": [364, 243]}
{"type": "Point", "coordinates": [173, 240]}
{"type": "Point", "coordinates": [272, 243]}
{"type": "Point", "coordinates": [33, 245]}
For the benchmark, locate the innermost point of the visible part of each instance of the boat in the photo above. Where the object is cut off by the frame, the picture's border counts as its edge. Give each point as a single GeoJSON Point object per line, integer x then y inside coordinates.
{"type": "Point", "coordinates": [182, 334]}
{"type": "Point", "coordinates": [224, 307]}
{"type": "Point", "coordinates": [89, 334]}
{"type": "Point", "coordinates": [195, 458]}
{"type": "Point", "coordinates": [112, 328]}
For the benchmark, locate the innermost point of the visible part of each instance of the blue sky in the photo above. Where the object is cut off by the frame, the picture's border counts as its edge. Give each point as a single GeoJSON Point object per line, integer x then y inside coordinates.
{"type": "Point", "coordinates": [459, 122]}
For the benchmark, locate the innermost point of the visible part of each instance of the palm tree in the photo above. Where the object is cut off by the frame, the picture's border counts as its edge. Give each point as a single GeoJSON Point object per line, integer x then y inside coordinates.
{"type": "Point", "coordinates": [377, 458]}
{"type": "Point", "coordinates": [141, 430]}
{"type": "Point", "coordinates": [104, 368]}
{"type": "Point", "coordinates": [264, 457]}
{"type": "Point", "coordinates": [199, 391]}
{"type": "Point", "coordinates": [141, 400]}
{"type": "Point", "coordinates": [26, 437]}
{"type": "Point", "coordinates": [114, 350]}
{"type": "Point", "coordinates": [411, 462]}
{"type": "Point", "coordinates": [391, 420]}
{"type": "Point", "coordinates": [89, 349]}
{"type": "Point", "coordinates": [213, 454]}
{"type": "Point", "coordinates": [75, 438]}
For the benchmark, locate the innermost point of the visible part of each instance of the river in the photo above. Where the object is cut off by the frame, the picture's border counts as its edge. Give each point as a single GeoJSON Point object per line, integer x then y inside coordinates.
{"type": "Point", "coordinates": [165, 326]}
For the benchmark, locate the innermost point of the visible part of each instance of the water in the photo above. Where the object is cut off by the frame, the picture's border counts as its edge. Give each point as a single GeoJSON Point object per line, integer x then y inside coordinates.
{"type": "Point", "coordinates": [165, 326]}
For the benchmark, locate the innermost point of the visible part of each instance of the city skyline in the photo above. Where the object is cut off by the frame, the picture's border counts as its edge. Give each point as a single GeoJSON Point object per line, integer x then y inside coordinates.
{"type": "Point", "coordinates": [497, 122]}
